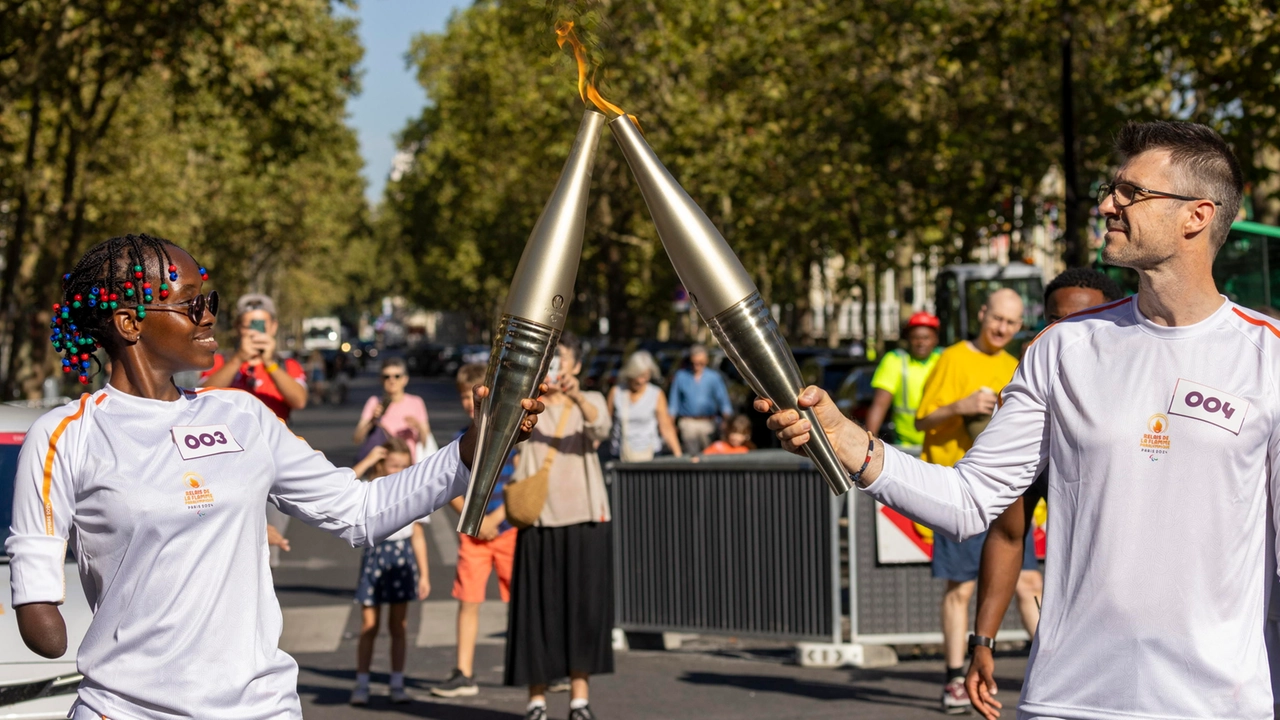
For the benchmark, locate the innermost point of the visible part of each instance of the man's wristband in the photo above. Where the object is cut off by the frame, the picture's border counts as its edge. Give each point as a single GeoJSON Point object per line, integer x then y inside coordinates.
{"type": "Point", "coordinates": [273, 367]}
{"type": "Point", "coordinates": [871, 449]}
{"type": "Point", "coordinates": [983, 640]}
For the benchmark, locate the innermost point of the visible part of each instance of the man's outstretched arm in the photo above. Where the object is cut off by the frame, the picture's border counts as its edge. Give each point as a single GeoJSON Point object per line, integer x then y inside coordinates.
{"type": "Point", "coordinates": [959, 502]}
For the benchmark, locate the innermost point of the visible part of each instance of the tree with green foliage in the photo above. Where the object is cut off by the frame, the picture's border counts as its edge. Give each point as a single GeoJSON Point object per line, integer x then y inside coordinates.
{"type": "Point", "coordinates": [219, 125]}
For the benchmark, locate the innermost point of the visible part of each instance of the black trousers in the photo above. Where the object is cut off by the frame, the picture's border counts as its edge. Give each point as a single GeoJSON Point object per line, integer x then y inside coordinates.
{"type": "Point", "coordinates": [560, 619]}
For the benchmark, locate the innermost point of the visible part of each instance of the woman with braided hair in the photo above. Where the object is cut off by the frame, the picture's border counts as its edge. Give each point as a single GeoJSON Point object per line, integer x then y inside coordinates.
{"type": "Point", "coordinates": [159, 490]}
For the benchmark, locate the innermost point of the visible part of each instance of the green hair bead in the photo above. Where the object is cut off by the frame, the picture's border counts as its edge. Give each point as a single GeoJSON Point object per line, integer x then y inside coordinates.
{"type": "Point", "coordinates": [142, 312]}
{"type": "Point", "coordinates": [114, 304]}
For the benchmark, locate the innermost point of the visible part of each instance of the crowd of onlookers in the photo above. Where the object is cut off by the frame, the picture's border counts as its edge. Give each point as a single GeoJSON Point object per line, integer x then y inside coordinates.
{"type": "Point", "coordinates": [554, 564]}
{"type": "Point", "coordinates": [555, 567]}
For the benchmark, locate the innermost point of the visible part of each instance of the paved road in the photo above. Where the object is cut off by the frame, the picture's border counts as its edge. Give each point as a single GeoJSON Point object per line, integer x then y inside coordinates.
{"type": "Point", "coordinates": [709, 678]}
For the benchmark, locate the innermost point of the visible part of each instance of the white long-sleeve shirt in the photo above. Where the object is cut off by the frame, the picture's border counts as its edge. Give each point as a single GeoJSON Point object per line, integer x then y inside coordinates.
{"type": "Point", "coordinates": [1160, 444]}
{"type": "Point", "coordinates": [162, 502]}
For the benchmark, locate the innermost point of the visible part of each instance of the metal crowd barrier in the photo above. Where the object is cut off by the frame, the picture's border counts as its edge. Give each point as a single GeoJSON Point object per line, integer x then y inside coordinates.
{"type": "Point", "coordinates": [755, 545]}
{"type": "Point", "coordinates": [741, 545]}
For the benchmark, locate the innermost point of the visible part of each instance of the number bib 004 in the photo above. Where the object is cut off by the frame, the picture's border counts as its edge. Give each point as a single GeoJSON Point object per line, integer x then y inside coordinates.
{"type": "Point", "coordinates": [203, 441]}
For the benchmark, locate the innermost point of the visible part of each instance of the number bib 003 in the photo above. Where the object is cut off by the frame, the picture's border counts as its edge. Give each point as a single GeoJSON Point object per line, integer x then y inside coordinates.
{"type": "Point", "coordinates": [203, 441]}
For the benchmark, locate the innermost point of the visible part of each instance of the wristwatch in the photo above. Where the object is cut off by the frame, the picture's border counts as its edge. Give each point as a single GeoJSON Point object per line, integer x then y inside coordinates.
{"type": "Point", "coordinates": [982, 640]}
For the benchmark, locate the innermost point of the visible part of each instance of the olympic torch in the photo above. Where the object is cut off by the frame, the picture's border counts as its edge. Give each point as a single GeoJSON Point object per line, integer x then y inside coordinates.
{"type": "Point", "coordinates": [724, 294]}
{"type": "Point", "coordinates": [532, 320]}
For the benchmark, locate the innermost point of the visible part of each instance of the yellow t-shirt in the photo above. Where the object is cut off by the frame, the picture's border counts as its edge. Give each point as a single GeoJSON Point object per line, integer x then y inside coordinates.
{"type": "Point", "coordinates": [961, 370]}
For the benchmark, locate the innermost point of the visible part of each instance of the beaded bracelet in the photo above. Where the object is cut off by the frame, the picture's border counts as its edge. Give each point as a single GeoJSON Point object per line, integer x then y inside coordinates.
{"type": "Point", "coordinates": [871, 448]}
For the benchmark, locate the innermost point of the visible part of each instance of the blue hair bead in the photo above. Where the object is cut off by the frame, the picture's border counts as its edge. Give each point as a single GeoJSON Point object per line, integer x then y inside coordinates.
{"type": "Point", "coordinates": [173, 276]}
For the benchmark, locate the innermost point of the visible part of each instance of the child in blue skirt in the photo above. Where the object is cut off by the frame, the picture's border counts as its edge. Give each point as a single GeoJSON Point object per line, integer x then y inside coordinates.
{"type": "Point", "coordinates": [393, 572]}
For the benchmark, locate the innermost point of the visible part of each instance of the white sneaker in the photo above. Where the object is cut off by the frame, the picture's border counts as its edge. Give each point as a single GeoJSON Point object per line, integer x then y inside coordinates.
{"type": "Point", "coordinates": [399, 696]}
{"type": "Point", "coordinates": [955, 699]}
{"type": "Point", "coordinates": [360, 696]}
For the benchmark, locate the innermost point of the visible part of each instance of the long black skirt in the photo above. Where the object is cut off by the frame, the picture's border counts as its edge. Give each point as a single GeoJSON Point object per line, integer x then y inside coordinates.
{"type": "Point", "coordinates": [560, 619]}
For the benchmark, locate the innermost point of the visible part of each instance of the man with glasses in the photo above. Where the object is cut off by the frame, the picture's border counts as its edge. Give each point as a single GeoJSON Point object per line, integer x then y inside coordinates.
{"type": "Point", "coordinates": [254, 366]}
{"type": "Point", "coordinates": [1158, 419]}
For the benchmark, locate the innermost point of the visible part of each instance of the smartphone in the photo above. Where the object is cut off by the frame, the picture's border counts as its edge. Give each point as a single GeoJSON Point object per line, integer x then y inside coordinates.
{"type": "Point", "coordinates": [259, 325]}
{"type": "Point", "coordinates": [553, 371]}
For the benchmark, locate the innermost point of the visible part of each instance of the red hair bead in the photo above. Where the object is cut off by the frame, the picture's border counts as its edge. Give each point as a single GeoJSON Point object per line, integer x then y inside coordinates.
{"type": "Point", "coordinates": [77, 297]}
{"type": "Point", "coordinates": [138, 274]}
{"type": "Point", "coordinates": [114, 297]}
{"type": "Point", "coordinates": [128, 284]}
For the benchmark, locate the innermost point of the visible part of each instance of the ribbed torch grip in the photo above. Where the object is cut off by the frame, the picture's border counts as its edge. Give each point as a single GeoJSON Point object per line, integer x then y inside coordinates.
{"type": "Point", "coordinates": [751, 339]}
{"type": "Point", "coordinates": [522, 352]}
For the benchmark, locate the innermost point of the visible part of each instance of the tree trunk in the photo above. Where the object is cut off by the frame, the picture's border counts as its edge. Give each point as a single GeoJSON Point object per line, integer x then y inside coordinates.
{"type": "Point", "coordinates": [13, 250]}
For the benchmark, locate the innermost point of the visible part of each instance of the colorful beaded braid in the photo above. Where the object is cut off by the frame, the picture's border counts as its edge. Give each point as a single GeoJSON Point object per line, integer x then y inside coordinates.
{"type": "Point", "coordinates": [84, 311]}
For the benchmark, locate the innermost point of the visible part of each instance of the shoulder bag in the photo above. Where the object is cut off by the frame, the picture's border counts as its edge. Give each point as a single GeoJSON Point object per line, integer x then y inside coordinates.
{"type": "Point", "coordinates": [525, 498]}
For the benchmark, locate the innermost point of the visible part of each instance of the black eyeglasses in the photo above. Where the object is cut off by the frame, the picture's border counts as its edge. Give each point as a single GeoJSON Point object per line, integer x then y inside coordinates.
{"type": "Point", "coordinates": [1125, 194]}
{"type": "Point", "coordinates": [194, 308]}
{"type": "Point", "coordinates": [396, 376]}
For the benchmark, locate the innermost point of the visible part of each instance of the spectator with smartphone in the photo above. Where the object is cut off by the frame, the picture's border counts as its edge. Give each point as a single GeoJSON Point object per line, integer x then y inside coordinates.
{"type": "Point", "coordinates": [254, 366]}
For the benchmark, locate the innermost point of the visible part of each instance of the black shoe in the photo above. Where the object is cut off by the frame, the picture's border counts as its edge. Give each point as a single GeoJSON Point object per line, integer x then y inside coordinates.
{"type": "Point", "coordinates": [458, 685]}
{"type": "Point", "coordinates": [582, 713]}
{"type": "Point", "coordinates": [538, 713]}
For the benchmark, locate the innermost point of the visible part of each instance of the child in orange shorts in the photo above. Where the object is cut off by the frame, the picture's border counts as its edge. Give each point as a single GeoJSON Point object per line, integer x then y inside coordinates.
{"type": "Point", "coordinates": [494, 549]}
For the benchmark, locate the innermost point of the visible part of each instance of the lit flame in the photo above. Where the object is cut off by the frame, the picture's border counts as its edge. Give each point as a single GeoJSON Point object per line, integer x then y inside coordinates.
{"type": "Point", "coordinates": [1158, 427]}
{"type": "Point", "coordinates": [586, 87]}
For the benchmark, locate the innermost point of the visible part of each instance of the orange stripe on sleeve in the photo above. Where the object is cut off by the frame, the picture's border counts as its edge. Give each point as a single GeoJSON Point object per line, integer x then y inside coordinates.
{"type": "Point", "coordinates": [48, 463]}
{"type": "Point", "coordinates": [1256, 321]}
{"type": "Point", "coordinates": [1087, 311]}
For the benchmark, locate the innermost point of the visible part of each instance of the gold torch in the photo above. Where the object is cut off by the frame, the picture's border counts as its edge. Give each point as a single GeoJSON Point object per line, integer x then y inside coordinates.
{"type": "Point", "coordinates": [532, 320]}
{"type": "Point", "coordinates": [724, 294]}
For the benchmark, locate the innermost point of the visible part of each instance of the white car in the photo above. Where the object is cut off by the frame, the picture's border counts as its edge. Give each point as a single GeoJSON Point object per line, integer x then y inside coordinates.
{"type": "Point", "coordinates": [32, 687]}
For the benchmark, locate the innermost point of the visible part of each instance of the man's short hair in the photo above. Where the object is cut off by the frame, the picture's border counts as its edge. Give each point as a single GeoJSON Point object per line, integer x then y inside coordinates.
{"type": "Point", "coordinates": [1087, 278]}
{"type": "Point", "coordinates": [1206, 166]}
{"type": "Point", "coordinates": [698, 349]}
{"type": "Point", "coordinates": [470, 375]}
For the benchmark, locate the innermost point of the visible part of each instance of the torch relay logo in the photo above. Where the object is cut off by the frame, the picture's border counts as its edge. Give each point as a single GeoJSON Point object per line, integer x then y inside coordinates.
{"type": "Point", "coordinates": [196, 496]}
{"type": "Point", "coordinates": [1155, 441]}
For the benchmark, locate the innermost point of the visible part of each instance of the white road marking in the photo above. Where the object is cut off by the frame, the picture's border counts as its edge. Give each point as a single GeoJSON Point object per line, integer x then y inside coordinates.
{"type": "Point", "coordinates": [439, 623]}
{"type": "Point", "coordinates": [314, 629]}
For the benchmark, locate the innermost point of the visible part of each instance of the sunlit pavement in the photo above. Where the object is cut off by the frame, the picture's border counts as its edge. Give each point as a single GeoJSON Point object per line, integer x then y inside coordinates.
{"type": "Point", "coordinates": [708, 678]}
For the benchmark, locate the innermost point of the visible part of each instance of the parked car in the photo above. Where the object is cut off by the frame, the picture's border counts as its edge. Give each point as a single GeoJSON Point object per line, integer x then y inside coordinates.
{"type": "Point", "coordinates": [475, 354]}
{"type": "Point", "coordinates": [33, 687]}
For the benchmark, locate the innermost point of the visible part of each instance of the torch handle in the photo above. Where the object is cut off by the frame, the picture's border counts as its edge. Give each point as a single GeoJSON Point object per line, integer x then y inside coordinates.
{"type": "Point", "coordinates": [522, 350]}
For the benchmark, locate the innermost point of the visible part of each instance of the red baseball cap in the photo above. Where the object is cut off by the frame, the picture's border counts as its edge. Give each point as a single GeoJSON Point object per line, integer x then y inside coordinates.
{"type": "Point", "coordinates": [923, 319]}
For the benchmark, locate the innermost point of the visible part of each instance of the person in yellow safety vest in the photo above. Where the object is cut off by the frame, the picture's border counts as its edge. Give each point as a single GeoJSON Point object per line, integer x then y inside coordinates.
{"type": "Point", "coordinates": [899, 380]}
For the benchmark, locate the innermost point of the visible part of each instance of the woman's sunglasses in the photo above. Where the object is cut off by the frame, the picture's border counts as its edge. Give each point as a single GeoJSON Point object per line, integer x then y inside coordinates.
{"type": "Point", "coordinates": [194, 308]}
{"type": "Point", "coordinates": [392, 376]}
